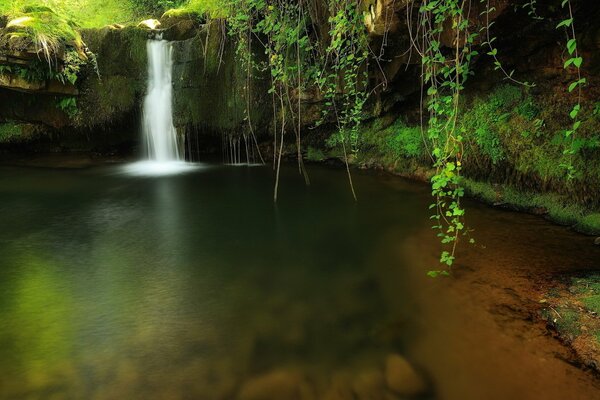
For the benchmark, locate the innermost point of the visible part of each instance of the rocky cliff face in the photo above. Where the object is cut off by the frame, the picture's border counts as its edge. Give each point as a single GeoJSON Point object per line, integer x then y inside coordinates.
{"type": "Point", "coordinates": [208, 91]}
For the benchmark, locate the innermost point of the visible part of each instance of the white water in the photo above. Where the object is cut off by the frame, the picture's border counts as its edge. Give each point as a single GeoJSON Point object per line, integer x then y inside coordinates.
{"type": "Point", "coordinates": [159, 136]}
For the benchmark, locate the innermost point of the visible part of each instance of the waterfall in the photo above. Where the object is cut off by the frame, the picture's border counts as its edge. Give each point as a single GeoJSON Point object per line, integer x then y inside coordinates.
{"type": "Point", "coordinates": [159, 134]}
{"type": "Point", "coordinates": [162, 155]}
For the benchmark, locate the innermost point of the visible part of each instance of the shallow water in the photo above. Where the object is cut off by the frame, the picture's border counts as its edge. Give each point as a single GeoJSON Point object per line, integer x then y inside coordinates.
{"type": "Point", "coordinates": [192, 285]}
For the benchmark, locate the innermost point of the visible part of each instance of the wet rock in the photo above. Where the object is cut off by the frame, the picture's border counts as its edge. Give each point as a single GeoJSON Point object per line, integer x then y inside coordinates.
{"type": "Point", "coordinates": [149, 24]}
{"type": "Point", "coordinates": [369, 385]}
{"type": "Point", "coordinates": [180, 26]}
{"type": "Point", "coordinates": [402, 378]}
{"type": "Point", "coordinates": [277, 385]}
{"type": "Point", "coordinates": [597, 241]}
{"type": "Point", "coordinates": [182, 30]}
{"type": "Point", "coordinates": [340, 388]}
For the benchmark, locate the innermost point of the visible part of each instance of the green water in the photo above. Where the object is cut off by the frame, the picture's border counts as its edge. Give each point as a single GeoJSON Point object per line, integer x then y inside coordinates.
{"type": "Point", "coordinates": [189, 286]}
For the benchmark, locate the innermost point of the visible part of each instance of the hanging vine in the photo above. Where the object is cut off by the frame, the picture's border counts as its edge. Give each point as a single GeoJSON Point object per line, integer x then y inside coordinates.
{"type": "Point", "coordinates": [299, 54]}
{"type": "Point", "coordinates": [444, 74]}
{"type": "Point", "coordinates": [575, 62]}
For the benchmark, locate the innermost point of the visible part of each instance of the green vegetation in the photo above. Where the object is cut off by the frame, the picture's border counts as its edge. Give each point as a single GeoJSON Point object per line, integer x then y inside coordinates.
{"type": "Point", "coordinates": [565, 321]}
{"type": "Point", "coordinates": [391, 143]}
{"type": "Point", "coordinates": [68, 105]}
{"type": "Point", "coordinates": [8, 131]}
{"type": "Point", "coordinates": [213, 9]}
{"type": "Point", "coordinates": [573, 310]}
{"type": "Point", "coordinates": [481, 190]}
{"type": "Point", "coordinates": [557, 208]}
{"type": "Point", "coordinates": [587, 291]}
{"type": "Point", "coordinates": [589, 224]}
{"type": "Point", "coordinates": [313, 154]}
{"type": "Point", "coordinates": [98, 13]}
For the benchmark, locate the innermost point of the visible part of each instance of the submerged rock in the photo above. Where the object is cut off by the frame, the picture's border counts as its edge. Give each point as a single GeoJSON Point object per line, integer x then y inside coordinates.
{"type": "Point", "coordinates": [402, 378]}
{"type": "Point", "coordinates": [277, 385]}
{"type": "Point", "coordinates": [597, 241]}
{"type": "Point", "coordinates": [369, 385]}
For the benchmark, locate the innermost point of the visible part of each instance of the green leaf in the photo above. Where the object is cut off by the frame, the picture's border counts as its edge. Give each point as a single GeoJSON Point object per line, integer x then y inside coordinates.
{"type": "Point", "coordinates": [575, 111]}
{"type": "Point", "coordinates": [565, 23]}
{"type": "Point", "coordinates": [573, 85]}
{"type": "Point", "coordinates": [572, 46]}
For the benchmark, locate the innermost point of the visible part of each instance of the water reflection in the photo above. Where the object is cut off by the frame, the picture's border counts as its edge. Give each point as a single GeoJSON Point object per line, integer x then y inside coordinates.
{"type": "Point", "coordinates": [197, 286]}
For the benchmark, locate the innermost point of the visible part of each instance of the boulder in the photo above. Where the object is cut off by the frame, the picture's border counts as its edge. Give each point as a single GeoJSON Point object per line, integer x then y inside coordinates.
{"type": "Point", "coordinates": [402, 378]}
{"type": "Point", "coordinates": [597, 241]}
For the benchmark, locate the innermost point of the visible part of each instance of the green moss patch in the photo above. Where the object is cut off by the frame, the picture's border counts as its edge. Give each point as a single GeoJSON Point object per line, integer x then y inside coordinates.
{"type": "Point", "coordinates": [557, 208]}
{"type": "Point", "coordinates": [572, 309]}
{"type": "Point", "coordinates": [9, 131]}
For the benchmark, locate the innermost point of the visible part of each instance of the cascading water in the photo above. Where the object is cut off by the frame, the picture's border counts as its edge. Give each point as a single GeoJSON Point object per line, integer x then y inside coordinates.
{"type": "Point", "coordinates": [159, 136]}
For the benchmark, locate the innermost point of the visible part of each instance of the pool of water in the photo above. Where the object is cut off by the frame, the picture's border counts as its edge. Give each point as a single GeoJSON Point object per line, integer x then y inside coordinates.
{"type": "Point", "coordinates": [197, 286]}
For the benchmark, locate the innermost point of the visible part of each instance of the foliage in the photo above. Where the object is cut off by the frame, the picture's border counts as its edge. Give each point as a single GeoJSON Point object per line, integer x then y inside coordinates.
{"type": "Point", "coordinates": [296, 59]}
{"type": "Point", "coordinates": [68, 105]}
{"type": "Point", "coordinates": [574, 62]}
{"type": "Point", "coordinates": [344, 85]}
{"type": "Point", "coordinates": [49, 31]}
{"type": "Point", "coordinates": [489, 41]}
{"type": "Point", "coordinates": [445, 75]}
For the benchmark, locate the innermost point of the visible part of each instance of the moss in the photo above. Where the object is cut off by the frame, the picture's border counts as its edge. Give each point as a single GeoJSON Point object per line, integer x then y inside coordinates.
{"type": "Point", "coordinates": [389, 142]}
{"type": "Point", "coordinates": [559, 209]}
{"type": "Point", "coordinates": [596, 335]}
{"type": "Point", "coordinates": [313, 154]}
{"type": "Point", "coordinates": [107, 100]}
{"type": "Point", "coordinates": [590, 224]}
{"type": "Point", "coordinates": [567, 322]}
{"type": "Point", "coordinates": [43, 26]}
{"type": "Point", "coordinates": [480, 190]}
{"type": "Point", "coordinates": [517, 199]}
{"type": "Point", "coordinates": [210, 8]}
{"type": "Point", "coordinates": [588, 290]}
{"type": "Point", "coordinates": [404, 141]}
{"type": "Point", "coordinates": [122, 65]}
{"type": "Point", "coordinates": [593, 303]}
{"type": "Point", "coordinates": [9, 131]}
{"type": "Point", "coordinates": [88, 13]}
{"type": "Point", "coordinates": [490, 122]}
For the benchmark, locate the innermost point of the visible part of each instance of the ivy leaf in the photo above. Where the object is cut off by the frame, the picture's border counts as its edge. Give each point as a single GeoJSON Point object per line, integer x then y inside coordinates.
{"type": "Point", "coordinates": [575, 111]}
{"type": "Point", "coordinates": [573, 85]}
{"type": "Point", "coordinates": [571, 45]}
{"type": "Point", "coordinates": [565, 23]}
